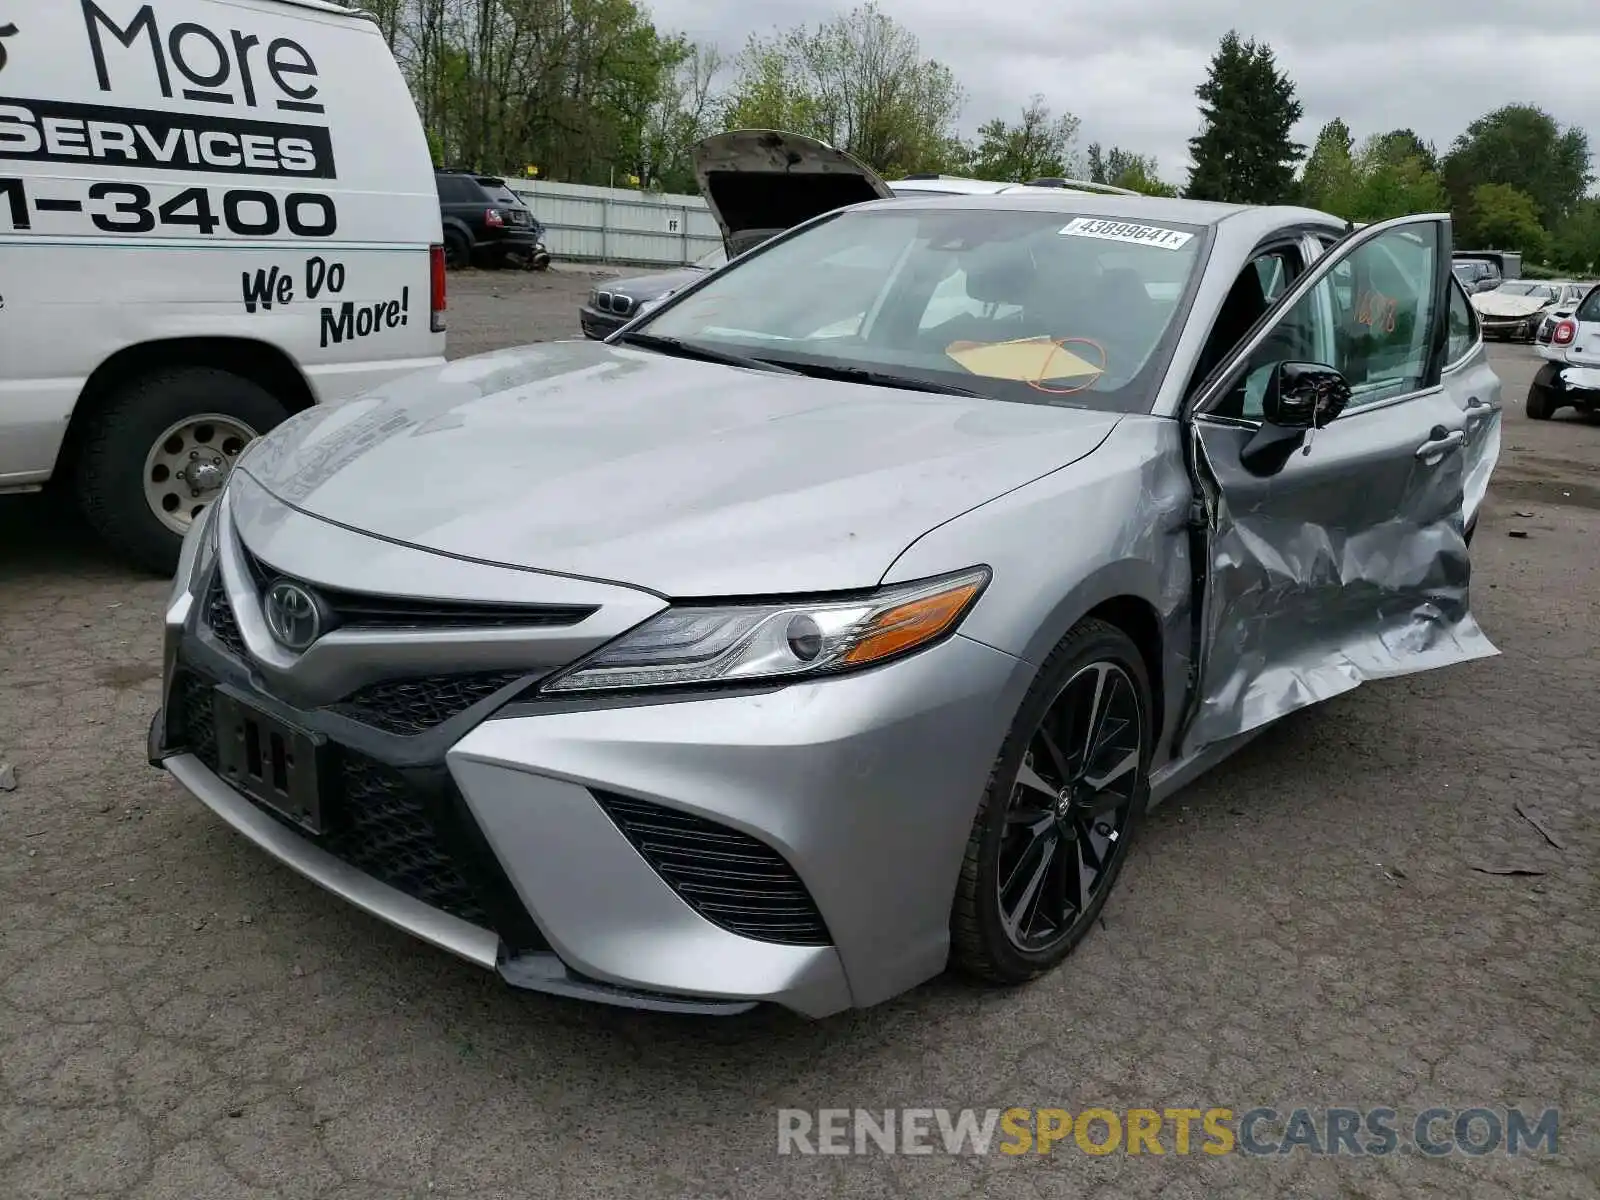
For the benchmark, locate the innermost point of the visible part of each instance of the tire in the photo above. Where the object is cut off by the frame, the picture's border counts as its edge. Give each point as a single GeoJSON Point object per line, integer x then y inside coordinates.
{"type": "Point", "coordinates": [131, 429]}
{"type": "Point", "coordinates": [980, 946]}
{"type": "Point", "coordinates": [457, 250]}
{"type": "Point", "coordinates": [1539, 406]}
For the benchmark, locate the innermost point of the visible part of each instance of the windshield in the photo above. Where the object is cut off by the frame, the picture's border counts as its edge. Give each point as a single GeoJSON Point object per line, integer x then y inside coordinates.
{"type": "Point", "coordinates": [1042, 307]}
{"type": "Point", "coordinates": [1525, 289]}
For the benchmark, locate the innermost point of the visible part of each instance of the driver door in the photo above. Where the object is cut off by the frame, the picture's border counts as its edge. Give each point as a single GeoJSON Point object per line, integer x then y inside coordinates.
{"type": "Point", "coordinates": [1344, 561]}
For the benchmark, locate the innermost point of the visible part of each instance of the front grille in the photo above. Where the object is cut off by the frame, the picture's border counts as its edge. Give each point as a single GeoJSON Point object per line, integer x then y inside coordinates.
{"type": "Point", "coordinates": [220, 620]}
{"type": "Point", "coordinates": [411, 706]}
{"type": "Point", "coordinates": [621, 305]}
{"type": "Point", "coordinates": [362, 610]}
{"type": "Point", "coordinates": [396, 826]}
{"type": "Point", "coordinates": [728, 877]}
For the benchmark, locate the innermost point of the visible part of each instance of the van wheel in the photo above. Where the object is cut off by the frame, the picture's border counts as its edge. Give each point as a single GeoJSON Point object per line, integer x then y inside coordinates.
{"type": "Point", "coordinates": [1065, 795]}
{"type": "Point", "coordinates": [160, 450]}
{"type": "Point", "coordinates": [457, 250]}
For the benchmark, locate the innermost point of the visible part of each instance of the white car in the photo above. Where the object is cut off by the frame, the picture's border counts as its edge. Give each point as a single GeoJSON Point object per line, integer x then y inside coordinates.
{"type": "Point", "coordinates": [1570, 376]}
{"type": "Point", "coordinates": [1517, 308]}
{"type": "Point", "coordinates": [213, 214]}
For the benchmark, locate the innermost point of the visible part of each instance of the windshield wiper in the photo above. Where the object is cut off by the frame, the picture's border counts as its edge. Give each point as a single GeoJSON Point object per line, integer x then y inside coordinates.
{"type": "Point", "coordinates": [683, 349]}
{"type": "Point", "coordinates": [879, 378]}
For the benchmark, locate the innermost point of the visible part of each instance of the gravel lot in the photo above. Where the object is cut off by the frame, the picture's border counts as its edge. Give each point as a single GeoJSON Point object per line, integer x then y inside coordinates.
{"type": "Point", "coordinates": [180, 1017]}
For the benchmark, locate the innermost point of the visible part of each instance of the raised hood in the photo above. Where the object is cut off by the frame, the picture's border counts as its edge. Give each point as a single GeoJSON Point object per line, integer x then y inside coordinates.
{"type": "Point", "coordinates": [759, 182]}
{"type": "Point", "coordinates": [687, 478]}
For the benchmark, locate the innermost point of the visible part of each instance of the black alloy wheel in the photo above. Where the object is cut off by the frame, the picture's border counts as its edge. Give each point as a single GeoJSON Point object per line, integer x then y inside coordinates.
{"type": "Point", "coordinates": [1054, 829]}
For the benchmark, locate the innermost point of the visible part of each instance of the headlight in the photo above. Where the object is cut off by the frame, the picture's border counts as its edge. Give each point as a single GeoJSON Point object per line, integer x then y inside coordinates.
{"type": "Point", "coordinates": [737, 643]}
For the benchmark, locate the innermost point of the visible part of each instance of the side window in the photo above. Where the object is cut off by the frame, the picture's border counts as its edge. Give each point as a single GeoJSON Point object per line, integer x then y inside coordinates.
{"type": "Point", "coordinates": [1463, 326]}
{"type": "Point", "coordinates": [1369, 317]}
{"type": "Point", "coordinates": [1255, 290]}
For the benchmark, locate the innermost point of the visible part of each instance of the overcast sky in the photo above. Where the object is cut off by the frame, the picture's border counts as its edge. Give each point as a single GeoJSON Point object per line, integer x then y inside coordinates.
{"type": "Point", "coordinates": [1129, 68]}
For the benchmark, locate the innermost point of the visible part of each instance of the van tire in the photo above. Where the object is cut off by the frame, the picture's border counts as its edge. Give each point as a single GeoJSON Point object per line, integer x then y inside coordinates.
{"type": "Point", "coordinates": [109, 479]}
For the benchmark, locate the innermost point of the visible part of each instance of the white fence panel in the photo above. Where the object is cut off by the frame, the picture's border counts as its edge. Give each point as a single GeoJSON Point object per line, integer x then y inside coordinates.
{"type": "Point", "coordinates": [584, 223]}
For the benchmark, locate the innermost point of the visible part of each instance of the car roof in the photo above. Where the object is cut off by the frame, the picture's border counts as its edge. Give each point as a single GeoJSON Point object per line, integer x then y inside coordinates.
{"type": "Point", "coordinates": [958, 185]}
{"type": "Point", "coordinates": [1127, 208]}
{"type": "Point", "coordinates": [328, 6]}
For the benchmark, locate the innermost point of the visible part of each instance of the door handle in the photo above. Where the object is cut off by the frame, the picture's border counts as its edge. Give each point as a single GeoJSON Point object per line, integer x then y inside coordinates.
{"type": "Point", "coordinates": [1441, 441]}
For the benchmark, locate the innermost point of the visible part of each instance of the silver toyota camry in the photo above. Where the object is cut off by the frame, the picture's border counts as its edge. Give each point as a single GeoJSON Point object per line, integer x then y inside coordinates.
{"type": "Point", "coordinates": [837, 621]}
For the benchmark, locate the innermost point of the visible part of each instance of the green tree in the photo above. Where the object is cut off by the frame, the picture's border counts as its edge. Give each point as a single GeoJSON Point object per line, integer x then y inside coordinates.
{"type": "Point", "coordinates": [1329, 175]}
{"type": "Point", "coordinates": [1398, 145]}
{"type": "Point", "coordinates": [1097, 164]}
{"type": "Point", "coordinates": [1503, 218]}
{"type": "Point", "coordinates": [1388, 181]}
{"type": "Point", "coordinates": [1136, 172]}
{"type": "Point", "coordinates": [858, 82]}
{"type": "Point", "coordinates": [1575, 246]}
{"type": "Point", "coordinates": [1039, 145]}
{"type": "Point", "coordinates": [1521, 147]}
{"type": "Point", "coordinates": [1243, 152]}
{"type": "Point", "coordinates": [682, 113]}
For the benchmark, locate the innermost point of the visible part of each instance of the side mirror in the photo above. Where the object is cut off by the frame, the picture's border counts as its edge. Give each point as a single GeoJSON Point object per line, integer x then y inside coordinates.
{"type": "Point", "coordinates": [1299, 397]}
{"type": "Point", "coordinates": [1304, 396]}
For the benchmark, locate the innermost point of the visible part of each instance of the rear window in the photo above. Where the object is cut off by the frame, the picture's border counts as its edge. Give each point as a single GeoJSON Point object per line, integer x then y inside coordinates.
{"type": "Point", "coordinates": [1589, 310]}
{"type": "Point", "coordinates": [498, 191]}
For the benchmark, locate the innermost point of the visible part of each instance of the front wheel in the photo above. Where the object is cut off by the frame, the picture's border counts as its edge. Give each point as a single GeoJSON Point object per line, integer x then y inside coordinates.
{"type": "Point", "coordinates": [1065, 795]}
{"type": "Point", "coordinates": [159, 452]}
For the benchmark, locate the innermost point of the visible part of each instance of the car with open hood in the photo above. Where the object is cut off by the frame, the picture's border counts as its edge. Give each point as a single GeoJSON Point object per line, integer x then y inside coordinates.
{"type": "Point", "coordinates": [1517, 308]}
{"type": "Point", "coordinates": [839, 619]}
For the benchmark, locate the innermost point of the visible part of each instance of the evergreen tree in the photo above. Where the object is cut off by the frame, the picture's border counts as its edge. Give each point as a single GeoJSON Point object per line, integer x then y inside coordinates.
{"type": "Point", "coordinates": [1243, 152]}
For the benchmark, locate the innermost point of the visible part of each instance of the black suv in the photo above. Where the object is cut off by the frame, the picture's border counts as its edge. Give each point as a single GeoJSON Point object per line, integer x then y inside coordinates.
{"type": "Point", "coordinates": [486, 224]}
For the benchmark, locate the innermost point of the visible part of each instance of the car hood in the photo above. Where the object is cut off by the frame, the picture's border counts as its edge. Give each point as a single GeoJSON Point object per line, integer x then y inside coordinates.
{"type": "Point", "coordinates": [684, 477]}
{"type": "Point", "coordinates": [759, 182]}
{"type": "Point", "coordinates": [1494, 304]}
{"type": "Point", "coordinates": [640, 288]}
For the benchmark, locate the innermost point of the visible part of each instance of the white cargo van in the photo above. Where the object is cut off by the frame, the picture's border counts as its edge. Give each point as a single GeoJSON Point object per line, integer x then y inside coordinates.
{"type": "Point", "coordinates": [213, 214]}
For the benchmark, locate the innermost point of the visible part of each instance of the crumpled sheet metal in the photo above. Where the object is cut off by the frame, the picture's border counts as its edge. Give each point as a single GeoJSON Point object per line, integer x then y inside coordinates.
{"type": "Point", "coordinates": [1299, 614]}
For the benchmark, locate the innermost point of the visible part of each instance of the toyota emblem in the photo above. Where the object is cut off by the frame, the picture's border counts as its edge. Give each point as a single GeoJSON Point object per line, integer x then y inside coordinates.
{"type": "Point", "coordinates": [293, 615]}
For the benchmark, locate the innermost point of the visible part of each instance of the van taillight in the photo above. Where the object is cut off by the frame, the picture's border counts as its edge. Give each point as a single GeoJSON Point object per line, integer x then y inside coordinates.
{"type": "Point", "coordinates": [436, 287]}
{"type": "Point", "coordinates": [1564, 332]}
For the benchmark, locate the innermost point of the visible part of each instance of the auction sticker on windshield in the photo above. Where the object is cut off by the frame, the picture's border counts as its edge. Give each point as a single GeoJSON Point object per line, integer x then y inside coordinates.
{"type": "Point", "coordinates": [1126, 231]}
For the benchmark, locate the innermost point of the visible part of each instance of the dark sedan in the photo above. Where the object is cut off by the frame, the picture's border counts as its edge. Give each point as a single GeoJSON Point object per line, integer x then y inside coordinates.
{"type": "Point", "coordinates": [614, 303]}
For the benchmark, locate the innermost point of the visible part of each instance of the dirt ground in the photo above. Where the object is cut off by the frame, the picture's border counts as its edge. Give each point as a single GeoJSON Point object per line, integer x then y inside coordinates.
{"type": "Point", "coordinates": [1306, 927]}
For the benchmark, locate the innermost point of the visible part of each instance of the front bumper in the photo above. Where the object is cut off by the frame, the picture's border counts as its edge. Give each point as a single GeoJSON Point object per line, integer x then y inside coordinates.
{"type": "Point", "coordinates": [597, 324]}
{"type": "Point", "coordinates": [1511, 328]}
{"type": "Point", "coordinates": [850, 799]}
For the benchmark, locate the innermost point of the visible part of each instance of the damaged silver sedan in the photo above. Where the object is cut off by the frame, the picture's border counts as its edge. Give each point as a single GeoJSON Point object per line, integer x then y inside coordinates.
{"type": "Point", "coordinates": [837, 621]}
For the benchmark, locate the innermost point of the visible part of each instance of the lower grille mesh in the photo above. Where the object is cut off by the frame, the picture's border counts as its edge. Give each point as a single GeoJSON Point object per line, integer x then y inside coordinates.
{"type": "Point", "coordinates": [220, 619]}
{"type": "Point", "coordinates": [385, 827]}
{"type": "Point", "coordinates": [412, 706]}
{"type": "Point", "coordinates": [728, 877]}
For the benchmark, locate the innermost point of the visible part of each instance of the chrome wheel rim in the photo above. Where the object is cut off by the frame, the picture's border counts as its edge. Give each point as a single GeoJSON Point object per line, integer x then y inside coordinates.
{"type": "Point", "coordinates": [189, 464]}
{"type": "Point", "coordinates": [1069, 808]}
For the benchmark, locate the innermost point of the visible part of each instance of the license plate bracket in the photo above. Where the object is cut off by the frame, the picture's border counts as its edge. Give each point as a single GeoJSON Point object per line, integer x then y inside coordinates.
{"type": "Point", "coordinates": [271, 762]}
